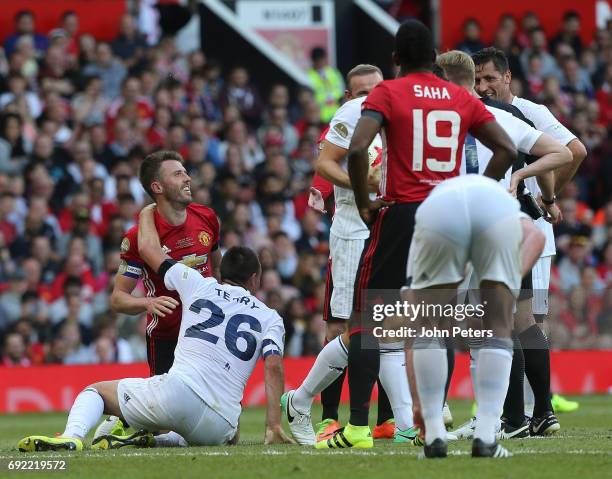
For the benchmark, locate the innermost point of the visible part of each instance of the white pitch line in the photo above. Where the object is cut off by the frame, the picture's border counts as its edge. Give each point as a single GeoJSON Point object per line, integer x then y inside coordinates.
{"type": "Point", "coordinates": [237, 452]}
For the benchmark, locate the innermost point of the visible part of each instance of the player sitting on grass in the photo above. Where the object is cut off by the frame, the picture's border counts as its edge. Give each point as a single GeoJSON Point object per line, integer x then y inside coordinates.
{"type": "Point", "coordinates": [224, 330]}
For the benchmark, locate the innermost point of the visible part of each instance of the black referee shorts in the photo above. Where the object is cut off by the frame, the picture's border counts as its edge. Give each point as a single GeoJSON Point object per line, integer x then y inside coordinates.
{"type": "Point", "coordinates": [385, 254]}
{"type": "Point", "coordinates": [160, 355]}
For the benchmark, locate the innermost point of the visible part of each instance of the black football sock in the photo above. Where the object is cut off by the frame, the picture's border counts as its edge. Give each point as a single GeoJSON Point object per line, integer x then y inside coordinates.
{"type": "Point", "coordinates": [363, 366]}
{"type": "Point", "coordinates": [384, 406]}
{"type": "Point", "coordinates": [330, 398]}
{"type": "Point", "coordinates": [514, 405]}
{"type": "Point", "coordinates": [450, 359]}
{"type": "Point", "coordinates": [537, 367]}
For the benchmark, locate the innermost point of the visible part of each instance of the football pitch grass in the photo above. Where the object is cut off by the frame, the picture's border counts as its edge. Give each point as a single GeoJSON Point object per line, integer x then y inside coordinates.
{"type": "Point", "coordinates": [583, 448]}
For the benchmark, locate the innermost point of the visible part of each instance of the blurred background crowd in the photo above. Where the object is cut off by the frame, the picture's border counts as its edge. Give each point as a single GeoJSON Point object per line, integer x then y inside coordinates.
{"type": "Point", "coordinates": [78, 115]}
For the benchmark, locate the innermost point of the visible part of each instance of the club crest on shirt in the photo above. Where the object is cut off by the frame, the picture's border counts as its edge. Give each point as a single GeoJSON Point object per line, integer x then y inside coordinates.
{"type": "Point", "coordinates": [125, 245]}
{"type": "Point", "coordinates": [341, 129]}
{"type": "Point", "coordinates": [204, 238]}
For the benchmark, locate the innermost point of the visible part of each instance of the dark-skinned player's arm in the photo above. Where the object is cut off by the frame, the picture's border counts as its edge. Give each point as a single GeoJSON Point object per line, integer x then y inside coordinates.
{"type": "Point", "coordinates": [494, 137]}
{"type": "Point", "coordinates": [215, 257]}
{"type": "Point", "coordinates": [367, 127]}
{"type": "Point", "coordinates": [149, 246]}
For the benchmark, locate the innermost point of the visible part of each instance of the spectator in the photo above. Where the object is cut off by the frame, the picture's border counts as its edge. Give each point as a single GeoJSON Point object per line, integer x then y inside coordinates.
{"type": "Point", "coordinates": [240, 93]}
{"type": "Point", "coordinates": [569, 33]}
{"type": "Point", "coordinates": [110, 70]}
{"type": "Point", "coordinates": [570, 267]}
{"type": "Point", "coordinates": [14, 148]}
{"type": "Point", "coordinates": [471, 37]}
{"type": "Point", "coordinates": [24, 25]}
{"type": "Point", "coordinates": [537, 42]}
{"type": "Point", "coordinates": [327, 83]}
{"type": "Point", "coordinates": [130, 45]}
{"type": "Point", "coordinates": [28, 104]}
{"type": "Point", "coordinates": [89, 107]}
{"type": "Point", "coordinates": [14, 351]}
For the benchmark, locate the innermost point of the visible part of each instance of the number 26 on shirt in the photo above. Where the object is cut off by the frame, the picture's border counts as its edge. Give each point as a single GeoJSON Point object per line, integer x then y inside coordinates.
{"type": "Point", "coordinates": [425, 130]}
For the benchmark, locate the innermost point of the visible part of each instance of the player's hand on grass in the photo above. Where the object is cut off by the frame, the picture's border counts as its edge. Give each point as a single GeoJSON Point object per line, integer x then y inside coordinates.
{"type": "Point", "coordinates": [316, 201]}
{"type": "Point", "coordinates": [368, 215]}
{"type": "Point", "coordinates": [161, 306]}
{"type": "Point", "coordinates": [276, 435]}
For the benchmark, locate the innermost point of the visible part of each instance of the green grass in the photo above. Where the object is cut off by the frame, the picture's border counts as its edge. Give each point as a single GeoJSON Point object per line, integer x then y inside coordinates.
{"type": "Point", "coordinates": [582, 449]}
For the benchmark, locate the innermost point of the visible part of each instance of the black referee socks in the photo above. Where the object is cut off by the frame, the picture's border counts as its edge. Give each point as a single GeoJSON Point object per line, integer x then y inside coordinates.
{"type": "Point", "coordinates": [537, 367]}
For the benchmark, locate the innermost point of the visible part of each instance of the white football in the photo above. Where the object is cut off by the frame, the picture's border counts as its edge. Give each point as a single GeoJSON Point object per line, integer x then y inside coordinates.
{"type": "Point", "coordinates": [375, 157]}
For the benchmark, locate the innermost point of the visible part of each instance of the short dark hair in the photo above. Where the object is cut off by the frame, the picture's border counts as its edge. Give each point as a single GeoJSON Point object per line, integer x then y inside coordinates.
{"type": "Point", "coordinates": [23, 13]}
{"type": "Point", "coordinates": [414, 45]}
{"type": "Point", "coordinates": [149, 168]}
{"type": "Point", "coordinates": [492, 54]}
{"type": "Point", "coordinates": [318, 53]}
{"type": "Point", "coordinates": [571, 15]}
{"type": "Point", "coordinates": [68, 13]}
{"type": "Point", "coordinates": [238, 264]}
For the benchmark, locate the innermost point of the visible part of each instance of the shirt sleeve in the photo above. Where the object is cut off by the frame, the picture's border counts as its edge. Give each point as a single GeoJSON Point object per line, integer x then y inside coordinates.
{"type": "Point", "coordinates": [544, 120]}
{"type": "Point", "coordinates": [186, 281]}
{"type": "Point", "coordinates": [523, 135]}
{"type": "Point", "coordinates": [324, 186]}
{"type": "Point", "coordinates": [379, 99]}
{"type": "Point", "coordinates": [480, 114]}
{"type": "Point", "coordinates": [342, 125]}
{"type": "Point", "coordinates": [273, 342]}
{"type": "Point", "coordinates": [131, 264]}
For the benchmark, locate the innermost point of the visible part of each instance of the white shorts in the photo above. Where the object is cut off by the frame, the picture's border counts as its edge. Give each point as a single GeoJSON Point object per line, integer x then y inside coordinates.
{"type": "Point", "coordinates": [540, 276]}
{"type": "Point", "coordinates": [455, 227]}
{"type": "Point", "coordinates": [164, 402]}
{"type": "Point", "coordinates": [345, 255]}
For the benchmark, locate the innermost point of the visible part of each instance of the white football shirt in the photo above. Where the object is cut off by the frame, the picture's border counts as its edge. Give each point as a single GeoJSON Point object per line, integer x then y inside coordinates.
{"type": "Point", "coordinates": [347, 223]}
{"type": "Point", "coordinates": [544, 121]}
{"type": "Point", "coordinates": [522, 135]}
{"type": "Point", "coordinates": [224, 331]}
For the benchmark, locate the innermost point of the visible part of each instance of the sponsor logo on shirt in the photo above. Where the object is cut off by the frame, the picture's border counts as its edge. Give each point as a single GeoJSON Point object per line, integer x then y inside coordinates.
{"type": "Point", "coordinates": [341, 129]}
{"type": "Point", "coordinates": [184, 243]}
{"type": "Point", "coordinates": [193, 260]}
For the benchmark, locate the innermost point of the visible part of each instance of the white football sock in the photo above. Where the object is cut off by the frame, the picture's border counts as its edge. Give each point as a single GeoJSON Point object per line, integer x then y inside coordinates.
{"type": "Point", "coordinates": [328, 366]}
{"type": "Point", "coordinates": [493, 376]}
{"type": "Point", "coordinates": [430, 370]}
{"type": "Point", "coordinates": [394, 380]}
{"type": "Point", "coordinates": [529, 397]}
{"type": "Point", "coordinates": [473, 362]}
{"type": "Point", "coordinates": [170, 439]}
{"type": "Point", "coordinates": [84, 414]}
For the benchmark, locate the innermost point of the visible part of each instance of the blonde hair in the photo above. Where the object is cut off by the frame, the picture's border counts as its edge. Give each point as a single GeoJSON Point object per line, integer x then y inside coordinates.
{"type": "Point", "coordinates": [362, 69]}
{"type": "Point", "coordinates": [458, 67]}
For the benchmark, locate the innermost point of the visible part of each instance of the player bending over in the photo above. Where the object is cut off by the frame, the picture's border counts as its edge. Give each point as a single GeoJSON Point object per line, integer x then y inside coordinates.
{"type": "Point", "coordinates": [469, 219]}
{"type": "Point", "coordinates": [224, 330]}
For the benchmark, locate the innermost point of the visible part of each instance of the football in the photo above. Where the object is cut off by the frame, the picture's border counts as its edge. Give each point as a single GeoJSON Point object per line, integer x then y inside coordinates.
{"type": "Point", "coordinates": [375, 152]}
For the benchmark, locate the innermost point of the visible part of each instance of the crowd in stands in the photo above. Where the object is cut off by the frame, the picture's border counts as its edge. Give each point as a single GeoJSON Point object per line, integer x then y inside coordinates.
{"type": "Point", "coordinates": [77, 116]}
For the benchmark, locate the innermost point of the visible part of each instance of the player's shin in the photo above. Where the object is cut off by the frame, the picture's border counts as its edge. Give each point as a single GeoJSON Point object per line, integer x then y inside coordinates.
{"type": "Point", "coordinates": [328, 366]}
{"type": "Point", "coordinates": [431, 369]}
{"type": "Point", "coordinates": [492, 377]}
{"type": "Point", "coordinates": [85, 413]}
{"type": "Point", "coordinates": [363, 368]}
{"type": "Point", "coordinates": [395, 381]}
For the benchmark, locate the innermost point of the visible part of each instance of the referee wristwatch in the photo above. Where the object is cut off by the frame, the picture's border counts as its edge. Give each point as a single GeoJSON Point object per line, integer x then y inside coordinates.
{"type": "Point", "coordinates": [549, 202]}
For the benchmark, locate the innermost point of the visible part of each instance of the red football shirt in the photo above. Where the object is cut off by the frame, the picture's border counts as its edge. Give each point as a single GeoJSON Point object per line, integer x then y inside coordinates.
{"type": "Point", "coordinates": [425, 123]}
{"type": "Point", "coordinates": [190, 243]}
